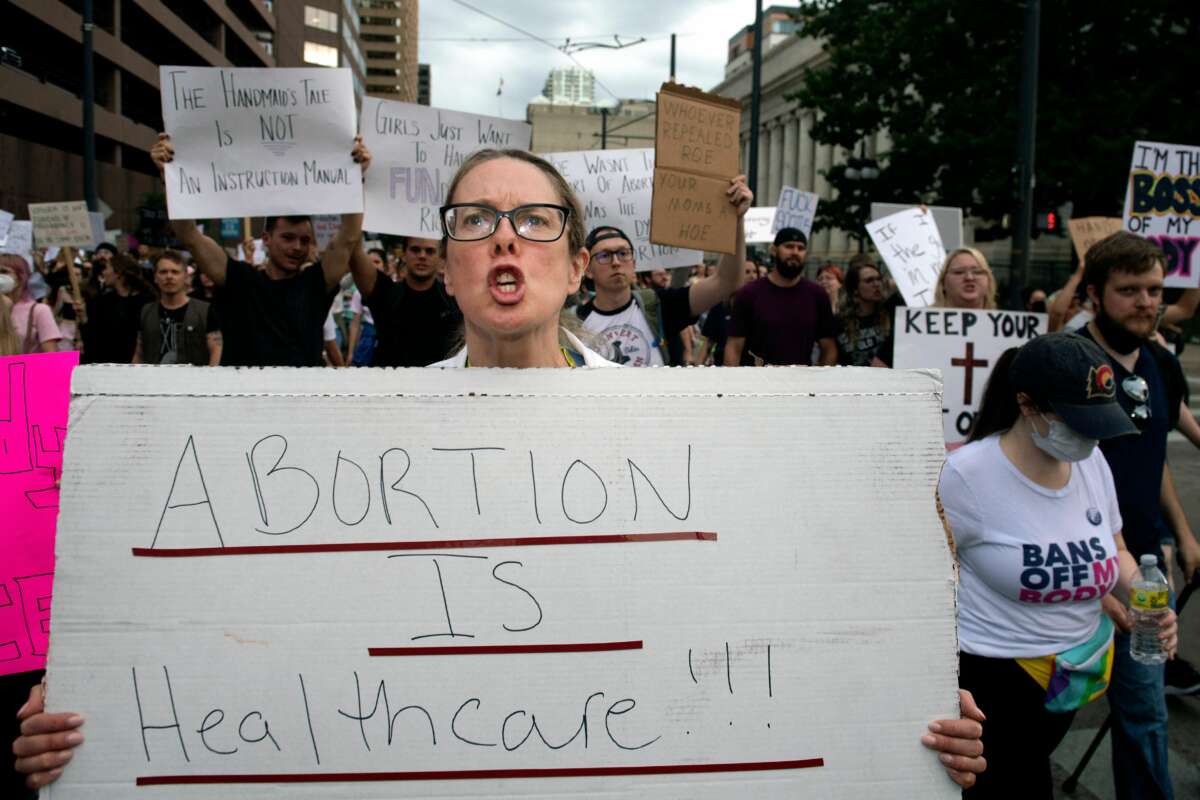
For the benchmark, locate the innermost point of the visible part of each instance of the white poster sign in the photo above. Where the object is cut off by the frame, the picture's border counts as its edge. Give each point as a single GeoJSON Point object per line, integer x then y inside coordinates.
{"type": "Point", "coordinates": [415, 151]}
{"type": "Point", "coordinates": [911, 247]}
{"type": "Point", "coordinates": [1162, 202]}
{"type": "Point", "coordinates": [66, 224]}
{"type": "Point", "coordinates": [5, 222]}
{"type": "Point", "coordinates": [616, 188]}
{"type": "Point", "coordinates": [325, 227]}
{"type": "Point", "coordinates": [949, 221]}
{"type": "Point", "coordinates": [759, 223]}
{"type": "Point", "coordinates": [258, 142]}
{"type": "Point", "coordinates": [419, 602]}
{"type": "Point", "coordinates": [795, 209]}
{"type": "Point", "coordinates": [964, 344]}
{"type": "Point", "coordinates": [20, 238]}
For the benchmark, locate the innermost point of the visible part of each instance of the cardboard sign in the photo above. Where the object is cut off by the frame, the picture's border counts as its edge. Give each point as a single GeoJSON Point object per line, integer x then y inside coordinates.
{"type": "Point", "coordinates": [912, 249]}
{"type": "Point", "coordinates": [441, 595]}
{"type": "Point", "coordinates": [696, 155]}
{"type": "Point", "coordinates": [964, 344]}
{"type": "Point", "coordinates": [257, 142]}
{"type": "Point", "coordinates": [758, 223]}
{"type": "Point", "coordinates": [415, 151]}
{"type": "Point", "coordinates": [949, 221]}
{"type": "Point", "coordinates": [796, 209]}
{"type": "Point", "coordinates": [615, 188]}
{"type": "Point", "coordinates": [32, 431]}
{"type": "Point", "coordinates": [1086, 231]}
{"type": "Point", "coordinates": [1162, 202]}
{"type": "Point", "coordinates": [66, 224]}
{"type": "Point", "coordinates": [20, 238]}
{"type": "Point", "coordinates": [5, 223]}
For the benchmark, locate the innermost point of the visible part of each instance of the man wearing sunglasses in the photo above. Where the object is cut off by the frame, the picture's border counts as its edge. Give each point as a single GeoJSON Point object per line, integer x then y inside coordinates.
{"type": "Point", "coordinates": [1123, 276]}
{"type": "Point", "coordinates": [640, 328]}
{"type": "Point", "coordinates": [416, 321]}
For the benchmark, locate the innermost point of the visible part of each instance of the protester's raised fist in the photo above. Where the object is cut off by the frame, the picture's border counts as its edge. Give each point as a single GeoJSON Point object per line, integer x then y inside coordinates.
{"type": "Point", "coordinates": [361, 154]}
{"type": "Point", "coordinates": [162, 152]}
{"type": "Point", "coordinates": [739, 194]}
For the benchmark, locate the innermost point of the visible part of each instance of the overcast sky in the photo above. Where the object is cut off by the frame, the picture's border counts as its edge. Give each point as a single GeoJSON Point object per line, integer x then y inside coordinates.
{"type": "Point", "coordinates": [465, 74]}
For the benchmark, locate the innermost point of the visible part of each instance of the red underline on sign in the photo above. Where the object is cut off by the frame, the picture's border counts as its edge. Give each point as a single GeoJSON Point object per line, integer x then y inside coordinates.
{"type": "Point", "coordinates": [505, 649]}
{"type": "Point", "coordinates": [483, 774]}
{"type": "Point", "coordinates": [432, 544]}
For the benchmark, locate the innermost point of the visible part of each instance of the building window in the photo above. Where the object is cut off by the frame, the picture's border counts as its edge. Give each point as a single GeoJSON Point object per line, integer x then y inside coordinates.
{"type": "Point", "coordinates": [321, 19]}
{"type": "Point", "coordinates": [320, 54]}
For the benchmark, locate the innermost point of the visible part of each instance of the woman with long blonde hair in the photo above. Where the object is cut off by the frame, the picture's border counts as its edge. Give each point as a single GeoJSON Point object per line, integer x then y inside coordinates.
{"type": "Point", "coordinates": [966, 281]}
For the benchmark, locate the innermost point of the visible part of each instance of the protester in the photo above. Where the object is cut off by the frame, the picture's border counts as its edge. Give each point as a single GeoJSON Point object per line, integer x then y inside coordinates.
{"type": "Point", "coordinates": [776, 320]}
{"type": "Point", "coordinates": [61, 299]}
{"type": "Point", "coordinates": [176, 329]}
{"type": "Point", "coordinates": [33, 321]}
{"type": "Point", "coordinates": [362, 343]}
{"type": "Point", "coordinates": [10, 342]}
{"type": "Point", "coordinates": [865, 321]}
{"type": "Point", "coordinates": [966, 281]}
{"type": "Point", "coordinates": [417, 322]}
{"type": "Point", "coordinates": [1035, 300]}
{"type": "Point", "coordinates": [1124, 278]}
{"type": "Point", "coordinates": [1028, 493]}
{"type": "Point", "coordinates": [831, 279]}
{"type": "Point", "coordinates": [273, 317]}
{"type": "Point", "coordinates": [642, 327]}
{"type": "Point", "coordinates": [114, 316]}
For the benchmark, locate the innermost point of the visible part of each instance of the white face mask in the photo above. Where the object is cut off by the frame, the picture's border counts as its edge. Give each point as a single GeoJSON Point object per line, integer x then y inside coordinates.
{"type": "Point", "coordinates": [1063, 443]}
{"type": "Point", "coordinates": [7, 283]}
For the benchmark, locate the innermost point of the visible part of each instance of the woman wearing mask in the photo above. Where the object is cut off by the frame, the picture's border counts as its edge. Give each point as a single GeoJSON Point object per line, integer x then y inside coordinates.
{"type": "Point", "coordinates": [514, 250]}
{"type": "Point", "coordinates": [1033, 512]}
{"type": "Point", "coordinates": [32, 321]}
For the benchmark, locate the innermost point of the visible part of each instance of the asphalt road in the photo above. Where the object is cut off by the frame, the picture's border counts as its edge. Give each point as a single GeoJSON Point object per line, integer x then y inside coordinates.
{"type": "Point", "coordinates": [1096, 781]}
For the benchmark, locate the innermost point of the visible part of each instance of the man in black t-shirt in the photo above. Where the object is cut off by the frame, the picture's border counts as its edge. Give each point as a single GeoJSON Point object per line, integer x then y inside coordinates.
{"type": "Point", "coordinates": [177, 329]}
{"type": "Point", "coordinates": [273, 317]}
{"type": "Point", "coordinates": [416, 322]}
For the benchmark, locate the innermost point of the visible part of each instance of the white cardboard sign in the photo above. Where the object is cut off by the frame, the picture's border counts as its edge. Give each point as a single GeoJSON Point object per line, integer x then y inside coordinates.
{"type": "Point", "coordinates": [758, 222]}
{"type": "Point", "coordinates": [415, 151]}
{"type": "Point", "coordinates": [65, 224]}
{"type": "Point", "coordinates": [912, 249]}
{"type": "Point", "coordinates": [1161, 204]}
{"type": "Point", "coordinates": [325, 227]}
{"type": "Point", "coordinates": [257, 142]}
{"type": "Point", "coordinates": [435, 604]}
{"type": "Point", "coordinates": [616, 187]}
{"type": "Point", "coordinates": [20, 238]}
{"type": "Point", "coordinates": [5, 222]}
{"type": "Point", "coordinates": [964, 344]}
{"type": "Point", "coordinates": [949, 221]}
{"type": "Point", "coordinates": [795, 209]}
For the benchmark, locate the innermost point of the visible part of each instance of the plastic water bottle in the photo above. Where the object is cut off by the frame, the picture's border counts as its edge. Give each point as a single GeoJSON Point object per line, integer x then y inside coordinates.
{"type": "Point", "coordinates": [1147, 604]}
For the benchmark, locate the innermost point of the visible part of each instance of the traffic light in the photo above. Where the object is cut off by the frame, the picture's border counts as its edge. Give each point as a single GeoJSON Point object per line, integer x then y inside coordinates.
{"type": "Point", "coordinates": [1047, 222]}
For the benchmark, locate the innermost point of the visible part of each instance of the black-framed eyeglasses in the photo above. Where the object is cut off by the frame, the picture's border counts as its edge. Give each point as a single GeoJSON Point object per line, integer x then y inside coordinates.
{"type": "Point", "coordinates": [606, 257]}
{"type": "Point", "coordinates": [537, 222]}
{"type": "Point", "coordinates": [1137, 390]}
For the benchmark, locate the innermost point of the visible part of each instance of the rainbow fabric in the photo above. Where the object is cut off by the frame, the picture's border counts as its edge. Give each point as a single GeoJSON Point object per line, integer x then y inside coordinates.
{"type": "Point", "coordinates": [1076, 676]}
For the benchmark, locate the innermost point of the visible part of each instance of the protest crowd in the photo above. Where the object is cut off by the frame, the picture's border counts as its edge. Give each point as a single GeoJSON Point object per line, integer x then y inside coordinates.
{"type": "Point", "coordinates": [1071, 431]}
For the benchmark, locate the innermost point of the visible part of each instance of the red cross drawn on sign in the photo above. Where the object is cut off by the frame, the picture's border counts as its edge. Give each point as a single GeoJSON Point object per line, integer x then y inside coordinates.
{"type": "Point", "coordinates": [970, 363]}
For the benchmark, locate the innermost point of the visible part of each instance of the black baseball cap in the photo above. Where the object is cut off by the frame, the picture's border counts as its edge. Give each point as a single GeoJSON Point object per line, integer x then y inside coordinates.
{"type": "Point", "coordinates": [786, 235]}
{"type": "Point", "coordinates": [1072, 376]}
{"type": "Point", "coordinates": [606, 232]}
{"type": "Point", "coordinates": [106, 246]}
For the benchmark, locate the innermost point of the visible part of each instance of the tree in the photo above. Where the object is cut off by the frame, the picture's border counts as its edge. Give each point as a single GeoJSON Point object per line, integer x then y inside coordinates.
{"type": "Point", "coordinates": [942, 77]}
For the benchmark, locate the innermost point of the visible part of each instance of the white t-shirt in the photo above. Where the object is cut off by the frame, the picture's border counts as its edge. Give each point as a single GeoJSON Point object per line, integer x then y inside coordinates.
{"type": "Point", "coordinates": [1033, 561]}
{"type": "Point", "coordinates": [357, 307]}
{"type": "Point", "coordinates": [626, 336]}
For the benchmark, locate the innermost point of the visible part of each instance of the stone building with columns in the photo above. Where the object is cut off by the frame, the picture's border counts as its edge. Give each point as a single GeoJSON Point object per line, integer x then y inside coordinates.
{"type": "Point", "coordinates": [787, 153]}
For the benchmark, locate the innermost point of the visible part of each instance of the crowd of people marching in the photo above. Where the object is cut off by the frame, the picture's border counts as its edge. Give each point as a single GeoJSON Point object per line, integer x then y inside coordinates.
{"type": "Point", "coordinates": [1067, 463]}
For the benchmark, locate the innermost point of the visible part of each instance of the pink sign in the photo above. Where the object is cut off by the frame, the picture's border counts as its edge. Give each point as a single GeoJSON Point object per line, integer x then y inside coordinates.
{"type": "Point", "coordinates": [34, 395]}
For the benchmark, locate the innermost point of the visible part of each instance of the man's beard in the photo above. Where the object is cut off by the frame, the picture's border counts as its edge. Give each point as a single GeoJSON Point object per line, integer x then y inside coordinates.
{"type": "Point", "coordinates": [1119, 337]}
{"type": "Point", "coordinates": [789, 269]}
